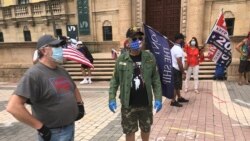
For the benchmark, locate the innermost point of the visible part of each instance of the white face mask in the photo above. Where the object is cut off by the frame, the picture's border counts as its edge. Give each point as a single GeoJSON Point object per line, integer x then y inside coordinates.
{"type": "Point", "coordinates": [192, 43]}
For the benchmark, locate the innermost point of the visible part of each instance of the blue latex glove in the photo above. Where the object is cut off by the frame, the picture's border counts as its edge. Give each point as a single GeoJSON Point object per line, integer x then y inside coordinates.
{"type": "Point", "coordinates": [158, 105]}
{"type": "Point", "coordinates": [112, 105]}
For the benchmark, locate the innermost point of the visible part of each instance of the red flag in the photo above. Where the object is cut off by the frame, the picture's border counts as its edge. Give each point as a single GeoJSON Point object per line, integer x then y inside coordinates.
{"type": "Point", "coordinates": [221, 21]}
{"type": "Point", "coordinates": [73, 54]}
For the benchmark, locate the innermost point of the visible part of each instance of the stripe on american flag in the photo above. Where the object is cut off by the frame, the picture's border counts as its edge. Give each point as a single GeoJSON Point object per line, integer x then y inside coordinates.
{"type": "Point", "coordinates": [73, 54]}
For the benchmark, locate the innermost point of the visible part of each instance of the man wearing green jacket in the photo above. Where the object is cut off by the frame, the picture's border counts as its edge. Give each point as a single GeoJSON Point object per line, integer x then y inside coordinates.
{"type": "Point", "coordinates": [136, 74]}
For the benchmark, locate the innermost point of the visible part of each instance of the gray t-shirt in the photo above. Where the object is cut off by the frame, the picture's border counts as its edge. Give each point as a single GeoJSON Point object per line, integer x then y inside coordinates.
{"type": "Point", "coordinates": [51, 93]}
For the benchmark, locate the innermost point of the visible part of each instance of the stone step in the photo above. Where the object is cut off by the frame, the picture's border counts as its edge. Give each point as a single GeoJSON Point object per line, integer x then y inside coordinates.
{"type": "Point", "coordinates": [207, 67]}
{"type": "Point", "coordinates": [94, 70]}
{"type": "Point", "coordinates": [104, 68]}
{"type": "Point", "coordinates": [93, 73]}
{"type": "Point", "coordinates": [207, 76]}
{"type": "Point", "coordinates": [95, 65]}
{"type": "Point", "coordinates": [110, 73]}
{"type": "Point", "coordinates": [107, 78]}
{"type": "Point", "coordinates": [94, 78]}
{"type": "Point", "coordinates": [110, 64]}
{"type": "Point", "coordinates": [95, 62]}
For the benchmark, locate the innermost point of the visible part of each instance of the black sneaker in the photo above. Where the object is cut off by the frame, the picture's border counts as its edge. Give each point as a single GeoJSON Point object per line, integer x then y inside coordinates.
{"type": "Point", "coordinates": [181, 99]}
{"type": "Point", "coordinates": [175, 103]}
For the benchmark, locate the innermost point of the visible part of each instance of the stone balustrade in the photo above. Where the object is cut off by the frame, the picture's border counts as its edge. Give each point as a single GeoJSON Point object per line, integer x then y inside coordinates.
{"type": "Point", "coordinates": [7, 12]}
{"type": "Point", "coordinates": [22, 10]}
{"type": "Point", "coordinates": [32, 10]}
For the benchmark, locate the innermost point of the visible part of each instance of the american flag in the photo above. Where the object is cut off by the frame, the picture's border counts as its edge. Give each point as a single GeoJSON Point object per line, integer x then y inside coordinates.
{"type": "Point", "coordinates": [73, 54]}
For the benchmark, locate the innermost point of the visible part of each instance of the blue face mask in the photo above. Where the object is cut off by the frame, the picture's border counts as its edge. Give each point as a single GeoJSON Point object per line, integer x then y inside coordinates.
{"type": "Point", "coordinates": [57, 54]}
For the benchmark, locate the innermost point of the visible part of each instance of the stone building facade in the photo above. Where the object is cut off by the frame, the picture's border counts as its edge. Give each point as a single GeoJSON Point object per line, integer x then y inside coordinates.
{"type": "Point", "coordinates": [196, 18]}
{"type": "Point", "coordinates": [108, 20]}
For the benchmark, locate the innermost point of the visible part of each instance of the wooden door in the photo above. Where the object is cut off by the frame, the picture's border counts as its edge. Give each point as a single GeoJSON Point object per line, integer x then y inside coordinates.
{"type": "Point", "coordinates": [164, 16]}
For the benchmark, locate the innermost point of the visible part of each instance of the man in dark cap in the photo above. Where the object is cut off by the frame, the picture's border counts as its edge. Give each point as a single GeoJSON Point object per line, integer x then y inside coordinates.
{"type": "Point", "coordinates": [54, 98]}
{"type": "Point", "coordinates": [178, 69]}
{"type": "Point", "coordinates": [136, 74]}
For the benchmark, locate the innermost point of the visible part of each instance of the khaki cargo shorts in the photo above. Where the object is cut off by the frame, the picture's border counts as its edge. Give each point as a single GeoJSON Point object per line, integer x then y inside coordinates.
{"type": "Point", "coordinates": [132, 115]}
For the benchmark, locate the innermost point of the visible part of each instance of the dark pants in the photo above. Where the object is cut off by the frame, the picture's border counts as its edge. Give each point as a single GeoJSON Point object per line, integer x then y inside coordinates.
{"type": "Point", "coordinates": [177, 75]}
{"type": "Point", "coordinates": [244, 66]}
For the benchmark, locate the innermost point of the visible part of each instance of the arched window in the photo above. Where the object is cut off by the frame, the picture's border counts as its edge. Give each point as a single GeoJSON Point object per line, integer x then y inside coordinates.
{"type": "Point", "coordinates": [229, 19]}
{"type": "Point", "coordinates": [26, 33]}
{"type": "Point", "coordinates": [1, 37]}
{"type": "Point", "coordinates": [107, 31]}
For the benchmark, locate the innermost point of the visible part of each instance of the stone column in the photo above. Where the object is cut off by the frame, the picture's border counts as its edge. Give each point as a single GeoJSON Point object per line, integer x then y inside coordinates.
{"type": "Point", "coordinates": [195, 20]}
{"type": "Point", "coordinates": [125, 18]}
{"type": "Point", "coordinates": [137, 13]}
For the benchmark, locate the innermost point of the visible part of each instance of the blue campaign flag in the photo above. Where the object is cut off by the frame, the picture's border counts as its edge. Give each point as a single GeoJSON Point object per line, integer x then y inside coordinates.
{"type": "Point", "coordinates": [158, 45]}
{"type": "Point", "coordinates": [219, 38]}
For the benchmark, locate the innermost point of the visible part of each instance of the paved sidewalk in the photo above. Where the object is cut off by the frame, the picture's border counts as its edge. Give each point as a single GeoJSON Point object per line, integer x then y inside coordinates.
{"type": "Point", "coordinates": [219, 113]}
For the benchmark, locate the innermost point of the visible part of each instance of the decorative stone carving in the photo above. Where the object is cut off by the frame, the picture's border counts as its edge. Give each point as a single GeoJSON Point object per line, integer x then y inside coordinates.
{"type": "Point", "coordinates": [3, 24]}
{"type": "Point", "coordinates": [45, 21]}
{"type": "Point", "coordinates": [32, 22]}
{"type": "Point", "coordinates": [16, 23]}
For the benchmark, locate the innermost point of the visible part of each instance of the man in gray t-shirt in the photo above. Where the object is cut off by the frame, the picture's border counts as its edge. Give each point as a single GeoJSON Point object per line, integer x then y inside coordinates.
{"type": "Point", "coordinates": [55, 100]}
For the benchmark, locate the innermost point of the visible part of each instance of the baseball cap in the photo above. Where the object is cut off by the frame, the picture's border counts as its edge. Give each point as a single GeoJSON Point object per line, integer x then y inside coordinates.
{"type": "Point", "coordinates": [135, 45]}
{"type": "Point", "coordinates": [79, 43]}
{"type": "Point", "coordinates": [47, 40]}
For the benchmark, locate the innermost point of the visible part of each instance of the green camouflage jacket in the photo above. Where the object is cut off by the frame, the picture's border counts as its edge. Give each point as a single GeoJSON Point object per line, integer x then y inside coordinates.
{"type": "Point", "coordinates": [123, 74]}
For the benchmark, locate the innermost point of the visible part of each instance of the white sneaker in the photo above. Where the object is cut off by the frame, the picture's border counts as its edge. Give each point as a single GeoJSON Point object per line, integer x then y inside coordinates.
{"type": "Point", "coordinates": [196, 91]}
{"type": "Point", "coordinates": [90, 82]}
{"type": "Point", "coordinates": [84, 81]}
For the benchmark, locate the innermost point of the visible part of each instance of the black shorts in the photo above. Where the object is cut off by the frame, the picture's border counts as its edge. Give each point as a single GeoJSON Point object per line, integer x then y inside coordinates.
{"type": "Point", "coordinates": [84, 66]}
{"type": "Point", "coordinates": [177, 76]}
{"type": "Point", "coordinates": [244, 66]}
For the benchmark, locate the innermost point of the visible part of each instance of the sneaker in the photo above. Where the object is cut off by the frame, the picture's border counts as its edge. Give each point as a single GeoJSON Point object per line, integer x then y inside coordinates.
{"type": "Point", "coordinates": [90, 82]}
{"type": "Point", "coordinates": [181, 99]}
{"type": "Point", "coordinates": [175, 103]}
{"type": "Point", "coordinates": [196, 91]}
{"type": "Point", "coordinates": [84, 81]}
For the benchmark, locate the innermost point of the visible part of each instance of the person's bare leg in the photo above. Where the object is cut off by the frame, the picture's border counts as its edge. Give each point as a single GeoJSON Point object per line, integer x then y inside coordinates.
{"type": "Point", "coordinates": [89, 72]}
{"type": "Point", "coordinates": [130, 137]}
{"type": "Point", "coordinates": [83, 72]}
{"type": "Point", "coordinates": [241, 76]}
{"type": "Point", "coordinates": [89, 76]}
{"type": "Point", "coordinates": [247, 78]}
{"type": "Point", "coordinates": [84, 81]}
{"type": "Point", "coordinates": [178, 93]}
{"type": "Point", "coordinates": [145, 136]}
{"type": "Point", "coordinates": [174, 97]}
